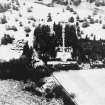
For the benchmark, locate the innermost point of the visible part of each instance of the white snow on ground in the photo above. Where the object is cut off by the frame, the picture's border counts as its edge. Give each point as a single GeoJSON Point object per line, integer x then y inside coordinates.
{"type": "Point", "coordinates": [40, 11]}
{"type": "Point", "coordinates": [6, 53]}
{"type": "Point", "coordinates": [87, 85]}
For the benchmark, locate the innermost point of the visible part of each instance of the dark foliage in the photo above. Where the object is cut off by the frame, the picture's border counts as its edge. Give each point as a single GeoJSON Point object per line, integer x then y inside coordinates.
{"type": "Point", "coordinates": [100, 3]}
{"type": "Point", "coordinates": [83, 49]}
{"type": "Point", "coordinates": [67, 67]}
{"type": "Point", "coordinates": [6, 39]}
{"type": "Point", "coordinates": [3, 20]}
{"type": "Point", "coordinates": [90, 1]}
{"type": "Point", "coordinates": [19, 69]}
{"type": "Point", "coordinates": [45, 42]}
{"type": "Point", "coordinates": [11, 28]}
{"type": "Point", "coordinates": [92, 21]}
{"type": "Point", "coordinates": [58, 33]}
{"type": "Point", "coordinates": [85, 24]}
{"type": "Point", "coordinates": [76, 2]}
{"type": "Point", "coordinates": [60, 92]}
{"type": "Point", "coordinates": [27, 29]}
{"type": "Point", "coordinates": [27, 51]}
{"type": "Point", "coordinates": [103, 26]}
{"type": "Point", "coordinates": [49, 17]}
{"type": "Point", "coordinates": [14, 69]}
{"type": "Point", "coordinates": [71, 19]}
{"type": "Point", "coordinates": [40, 72]}
{"type": "Point", "coordinates": [71, 39]}
{"type": "Point", "coordinates": [94, 49]}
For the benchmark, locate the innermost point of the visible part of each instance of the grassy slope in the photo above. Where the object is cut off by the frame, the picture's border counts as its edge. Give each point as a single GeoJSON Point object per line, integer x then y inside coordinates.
{"type": "Point", "coordinates": [11, 93]}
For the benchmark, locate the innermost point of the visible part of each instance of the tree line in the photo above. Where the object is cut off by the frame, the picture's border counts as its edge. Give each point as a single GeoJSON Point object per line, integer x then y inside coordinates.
{"type": "Point", "coordinates": [46, 42]}
{"type": "Point", "coordinates": [85, 49]}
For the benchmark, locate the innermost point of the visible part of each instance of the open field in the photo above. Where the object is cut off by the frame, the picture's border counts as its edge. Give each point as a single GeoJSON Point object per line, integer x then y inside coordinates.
{"type": "Point", "coordinates": [88, 86]}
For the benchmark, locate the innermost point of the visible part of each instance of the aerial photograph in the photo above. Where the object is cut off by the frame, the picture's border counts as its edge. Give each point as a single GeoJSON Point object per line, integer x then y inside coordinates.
{"type": "Point", "coordinates": [52, 52]}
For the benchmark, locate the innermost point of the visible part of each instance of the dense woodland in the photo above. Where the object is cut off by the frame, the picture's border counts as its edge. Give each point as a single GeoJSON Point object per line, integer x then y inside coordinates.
{"type": "Point", "coordinates": [83, 49]}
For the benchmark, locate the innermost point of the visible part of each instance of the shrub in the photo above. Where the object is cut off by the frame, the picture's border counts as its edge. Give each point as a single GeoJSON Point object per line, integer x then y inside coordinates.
{"type": "Point", "coordinates": [29, 10]}
{"type": "Point", "coordinates": [95, 12]}
{"type": "Point", "coordinates": [74, 12]}
{"type": "Point", "coordinates": [71, 19]}
{"type": "Point", "coordinates": [92, 21]}
{"type": "Point", "coordinates": [24, 3]}
{"type": "Point", "coordinates": [67, 67]}
{"type": "Point", "coordinates": [40, 72]}
{"type": "Point", "coordinates": [31, 18]}
{"type": "Point", "coordinates": [76, 2]}
{"type": "Point", "coordinates": [91, 1]}
{"type": "Point", "coordinates": [29, 22]}
{"type": "Point", "coordinates": [11, 28]}
{"type": "Point", "coordinates": [81, 20]}
{"type": "Point", "coordinates": [68, 7]}
{"type": "Point", "coordinates": [20, 15]}
{"type": "Point", "coordinates": [33, 25]}
{"type": "Point", "coordinates": [85, 24]}
{"type": "Point", "coordinates": [27, 35]}
{"type": "Point", "coordinates": [16, 19]}
{"type": "Point", "coordinates": [96, 20]}
{"type": "Point", "coordinates": [71, 10]}
{"type": "Point", "coordinates": [49, 94]}
{"type": "Point", "coordinates": [15, 8]}
{"type": "Point", "coordinates": [89, 17]}
{"type": "Point", "coordinates": [49, 17]}
{"type": "Point", "coordinates": [20, 24]}
{"type": "Point", "coordinates": [3, 20]}
{"type": "Point", "coordinates": [103, 26]}
{"type": "Point", "coordinates": [77, 18]}
{"type": "Point", "coordinates": [15, 69]}
{"type": "Point", "coordinates": [100, 21]}
{"type": "Point", "coordinates": [6, 39]}
{"type": "Point", "coordinates": [99, 3]}
{"type": "Point", "coordinates": [77, 24]}
{"type": "Point", "coordinates": [4, 7]}
{"type": "Point", "coordinates": [82, 32]}
{"type": "Point", "coordinates": [27, 29]}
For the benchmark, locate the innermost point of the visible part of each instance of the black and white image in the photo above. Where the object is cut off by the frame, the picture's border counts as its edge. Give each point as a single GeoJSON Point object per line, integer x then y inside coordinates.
{"type": "Point", "coordinates": [52, 52]}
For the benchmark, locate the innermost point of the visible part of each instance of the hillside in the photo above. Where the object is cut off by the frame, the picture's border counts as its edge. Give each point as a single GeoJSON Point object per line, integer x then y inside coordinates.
{"type": "Point", "coordinates": [13, 92]}
{"type": "Point", "coordinates": [25, 14]}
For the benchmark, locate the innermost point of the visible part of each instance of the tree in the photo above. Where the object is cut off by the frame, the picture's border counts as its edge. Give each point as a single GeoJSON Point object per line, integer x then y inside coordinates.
{"type": "Point", "coordinates": [44, 42]}
{"type": "Point", "coordinates": [76, 2]}
{"type": "Point", "coordinates": [94, 38]}
{"type": "Point", "coordinates": [71, 39]}
{"type": "Point", "coordinates": [71, 19]}
{"type": "Point", "coordinates": [49, 17]}
{"type": "Point", "coordinates": [58, 33]}
{"type": "Point", "coordinates": [90, 1]}
{"type": "Point", "coordinates": [6, 39]}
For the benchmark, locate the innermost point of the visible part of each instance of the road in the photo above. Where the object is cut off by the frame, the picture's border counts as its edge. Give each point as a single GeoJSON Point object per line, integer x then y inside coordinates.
{"type": "Point", "coordinates": [87, 85]}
